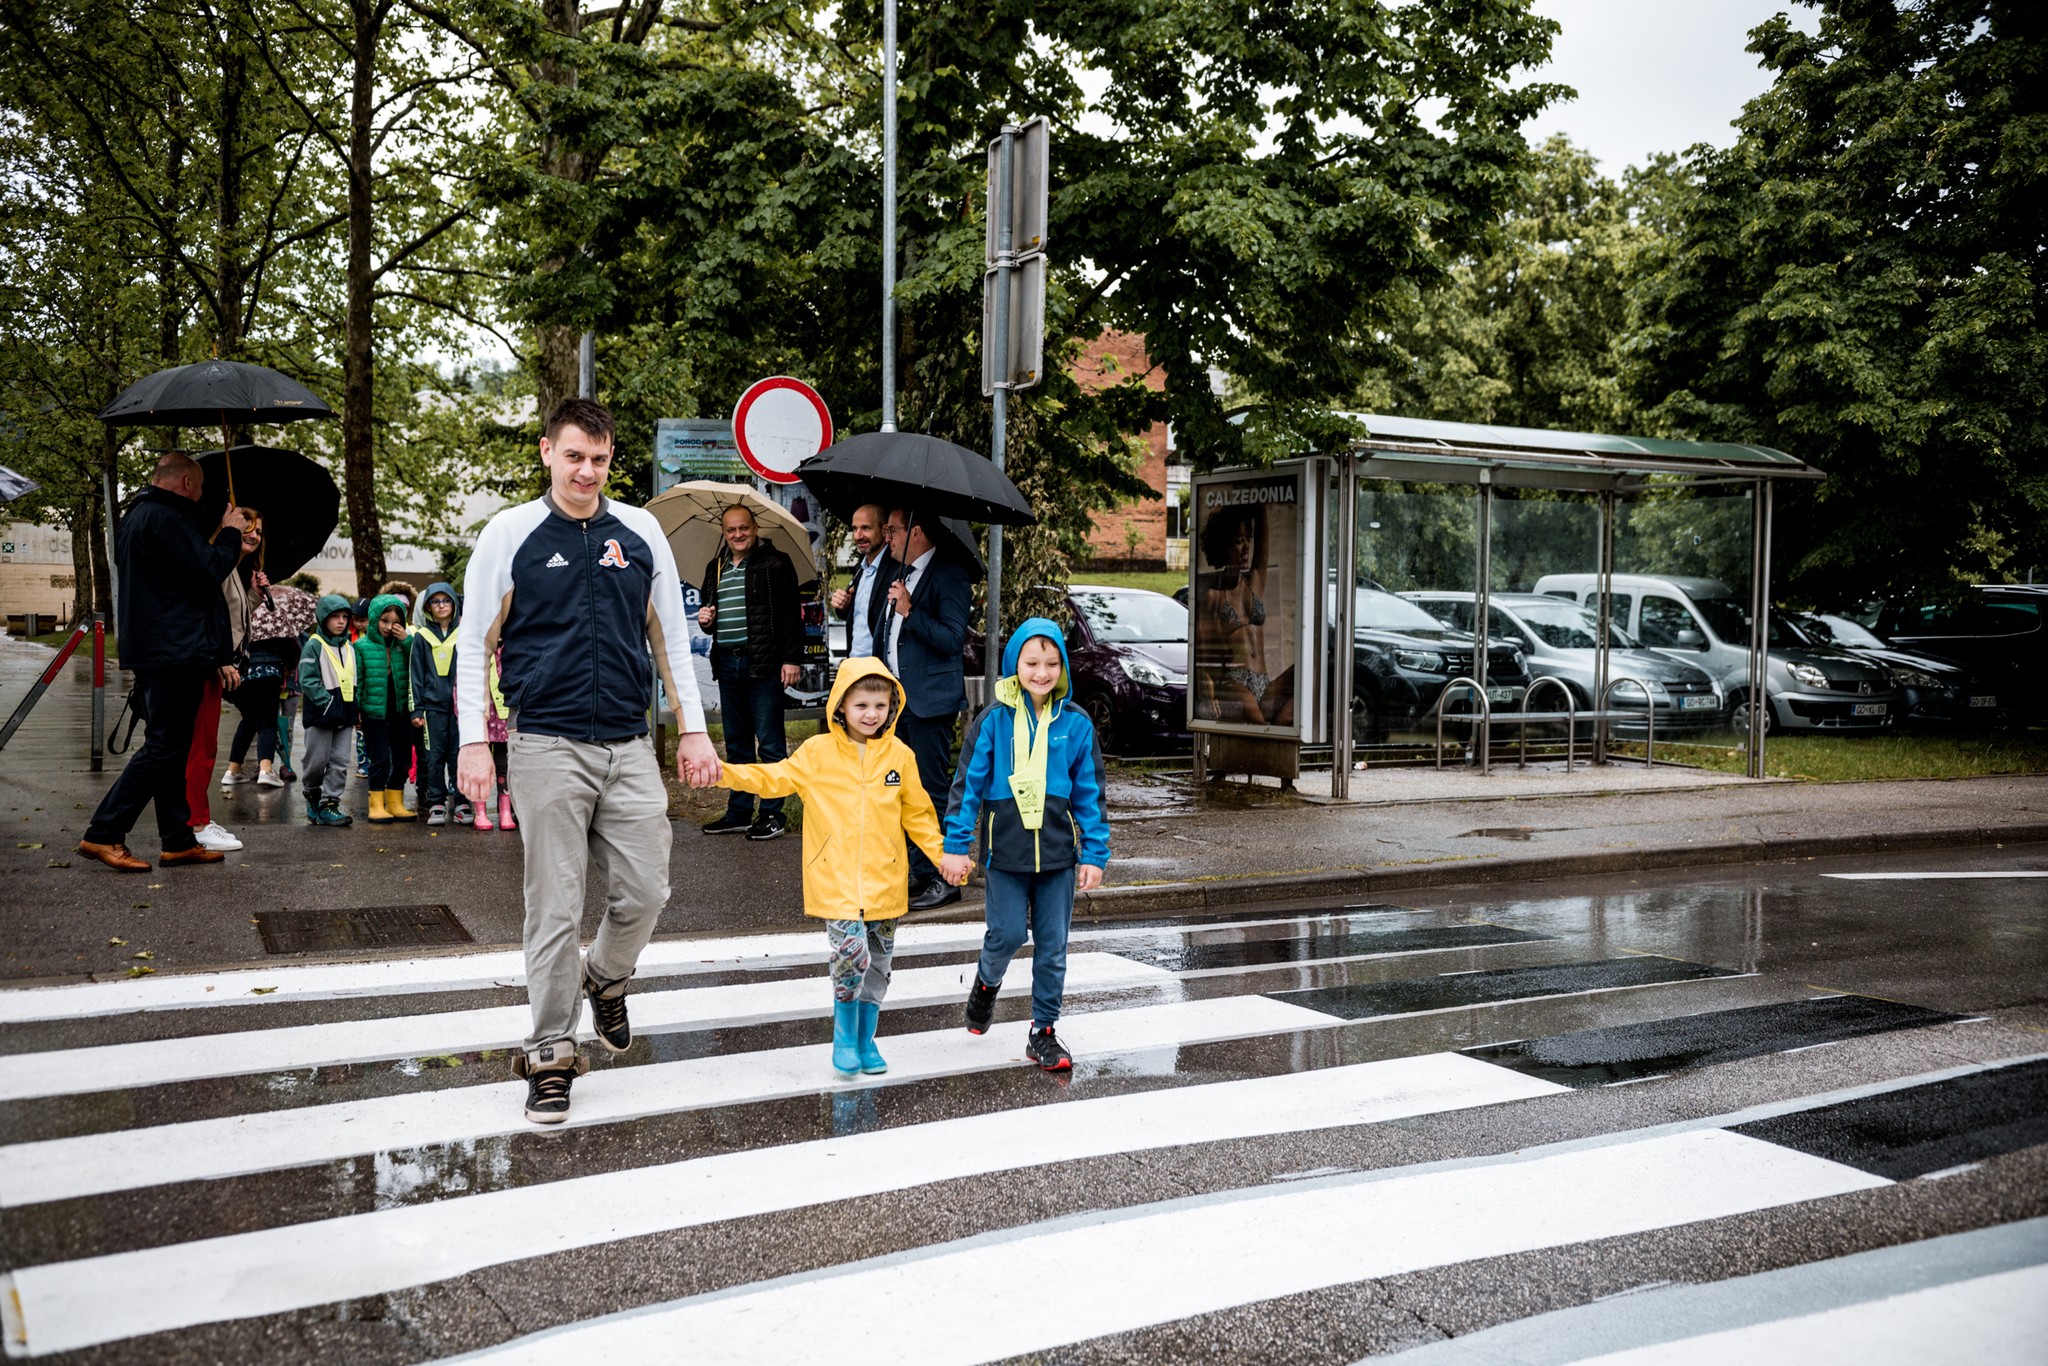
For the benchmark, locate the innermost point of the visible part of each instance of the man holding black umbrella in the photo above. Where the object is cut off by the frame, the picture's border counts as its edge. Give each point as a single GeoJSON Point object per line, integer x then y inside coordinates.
{"type": "Point", "coordinates": [173, 634]}
{"type": "Point", "coordinates": [923, 634]}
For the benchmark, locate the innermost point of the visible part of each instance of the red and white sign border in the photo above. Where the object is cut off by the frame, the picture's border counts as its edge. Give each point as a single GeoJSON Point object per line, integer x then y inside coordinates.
{"type": "Point", "coordinates": [753, 395]}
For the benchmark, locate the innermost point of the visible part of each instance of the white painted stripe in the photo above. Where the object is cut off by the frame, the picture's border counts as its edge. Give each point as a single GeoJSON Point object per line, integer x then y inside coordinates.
{"type": "Point", "coordinates": [1996, 1320]}
{"type": "Point", "coordinates": [1931, 877]}
{"type": "Point", "coordinates": [1128, 1270]}
{"type": "Point", "coordinates": [154, 1062]}
{"type": "Point", "coordinates": [86, 1164]}
{"type": "Point", "coordinates": [83, 1303]}
{"type": "Point", "coordinates": [479, 971]}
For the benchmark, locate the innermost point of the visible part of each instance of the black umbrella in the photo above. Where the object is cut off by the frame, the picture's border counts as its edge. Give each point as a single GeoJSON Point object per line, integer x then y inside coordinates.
{"type": "Point", "coordinates": [955, 540]}
{"type": "Point", "coordinates": [906, 469]}
{"type": "Point", "coordinates": [296, 495]}
{"type": "Point", "coordinates": [214, 393]}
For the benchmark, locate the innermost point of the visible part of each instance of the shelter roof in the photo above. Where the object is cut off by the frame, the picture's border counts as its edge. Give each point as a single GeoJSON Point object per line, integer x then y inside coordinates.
{"type": "Point", "coordinates": [1455, 452]}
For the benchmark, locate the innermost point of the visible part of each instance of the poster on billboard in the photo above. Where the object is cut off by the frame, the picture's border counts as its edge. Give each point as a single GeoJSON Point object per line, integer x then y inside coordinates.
{"type": "Point", "coordinates": [1247, 555]}
{"type": "Point", "coordinates": [687, 448]}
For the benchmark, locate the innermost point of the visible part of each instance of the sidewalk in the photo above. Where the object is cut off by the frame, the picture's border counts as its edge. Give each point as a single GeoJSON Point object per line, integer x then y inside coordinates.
{"type": "Point", "coordinates": [1176, 849]}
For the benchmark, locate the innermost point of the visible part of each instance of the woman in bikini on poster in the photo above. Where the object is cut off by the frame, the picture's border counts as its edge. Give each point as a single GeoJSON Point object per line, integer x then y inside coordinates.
{"type": "Point", "coordinates": [1230, 628]}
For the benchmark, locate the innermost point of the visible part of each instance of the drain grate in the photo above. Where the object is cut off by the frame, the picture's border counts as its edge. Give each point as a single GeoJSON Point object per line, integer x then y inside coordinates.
{"type": "Point", "coordinates": [366, 927]}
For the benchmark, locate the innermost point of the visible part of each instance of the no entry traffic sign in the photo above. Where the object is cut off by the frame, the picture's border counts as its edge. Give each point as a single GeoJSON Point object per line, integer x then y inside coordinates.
{"type": "Point", "coordinates": [778, 424]}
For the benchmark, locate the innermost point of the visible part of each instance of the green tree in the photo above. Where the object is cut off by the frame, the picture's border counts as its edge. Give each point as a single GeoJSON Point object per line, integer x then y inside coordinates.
{"type": "Point", "coordinates": [1859, 281]}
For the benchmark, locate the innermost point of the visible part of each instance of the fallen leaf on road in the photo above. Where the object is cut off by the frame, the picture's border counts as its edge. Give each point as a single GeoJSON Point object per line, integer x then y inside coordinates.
{"type": "Point", "coordinates": [155, 885]}
{"type": "Point", "coordinates": [140, 971]}
{"type": "Point", "coordinates": [146, 953]}
{"type": "Point", "coordinates": [115, 943]}
{"type": "Point", "coordinates": [37, 845]}
{"type": "Point", "coordinates": [265, 991]}
{"type": "Point", "coordinates": [60, 863]}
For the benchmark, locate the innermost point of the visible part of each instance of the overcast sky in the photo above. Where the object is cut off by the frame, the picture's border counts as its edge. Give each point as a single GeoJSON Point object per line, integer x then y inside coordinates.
{"type": "Point", "coordinates": [1654, 75]}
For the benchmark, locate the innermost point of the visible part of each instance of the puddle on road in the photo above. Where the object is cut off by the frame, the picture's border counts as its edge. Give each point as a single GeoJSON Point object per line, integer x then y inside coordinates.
{"type": "Point", "coordinates": [1508, 832]}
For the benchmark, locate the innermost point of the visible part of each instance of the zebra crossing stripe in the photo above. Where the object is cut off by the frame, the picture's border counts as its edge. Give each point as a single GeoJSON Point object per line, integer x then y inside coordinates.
{"type": "Point", "coordinates": [507, 968]}
{"type": "Point", "coordinates": [1127, 1270]}
{"type": "Point", "coordinates": [1996, 1320]}
{"type": "Point", "coordinates": [198, 1150]}
{"type": "Point", "coordinates": [27, 1076]}
{"type": "Point", "coordinates": [83, 1303]}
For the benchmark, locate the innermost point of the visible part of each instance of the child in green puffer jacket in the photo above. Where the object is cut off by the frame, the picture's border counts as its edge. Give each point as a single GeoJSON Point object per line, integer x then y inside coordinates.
{"type": "Point", "coordinates": [386, 691]}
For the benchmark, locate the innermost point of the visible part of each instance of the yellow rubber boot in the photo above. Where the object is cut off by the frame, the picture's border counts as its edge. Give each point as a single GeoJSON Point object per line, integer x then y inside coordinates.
{"type": "Point", "coordinates": [394, 806]}
{"type": "Point", "coordinates": [378, 816]}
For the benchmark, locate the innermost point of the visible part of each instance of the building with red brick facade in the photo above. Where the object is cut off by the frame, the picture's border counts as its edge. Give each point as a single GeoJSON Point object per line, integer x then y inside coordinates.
{"type": "Point", "coordinates": [1145, 533]}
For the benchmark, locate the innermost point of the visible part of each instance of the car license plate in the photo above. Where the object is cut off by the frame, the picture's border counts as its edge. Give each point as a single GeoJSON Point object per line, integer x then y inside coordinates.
{"type": "Point", "coordinates": [1867, 709]}
{"type": "Point", "coordinates": [1983, 701]}
{"type": "Point", "coordinates": [1701, 702]}
{"type": "Point", "coordinates": [1499, 694]}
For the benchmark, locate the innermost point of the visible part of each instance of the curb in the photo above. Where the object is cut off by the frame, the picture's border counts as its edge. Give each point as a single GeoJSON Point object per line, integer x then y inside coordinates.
{"type": "Point", "coordinates": [1115, 903]}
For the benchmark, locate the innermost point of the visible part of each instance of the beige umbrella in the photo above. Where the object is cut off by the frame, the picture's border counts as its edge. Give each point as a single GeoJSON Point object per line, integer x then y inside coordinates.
{"type": "Point", "coordinates": [689, 515]}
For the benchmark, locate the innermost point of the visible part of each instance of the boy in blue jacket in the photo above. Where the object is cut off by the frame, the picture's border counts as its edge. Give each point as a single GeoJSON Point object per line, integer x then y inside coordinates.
{"type": "Point", "coordinates": [1030, 785]}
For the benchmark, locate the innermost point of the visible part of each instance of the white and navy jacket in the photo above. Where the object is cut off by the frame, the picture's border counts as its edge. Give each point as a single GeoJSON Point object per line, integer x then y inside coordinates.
{"type": "Point", "coordinates": [583, 612]}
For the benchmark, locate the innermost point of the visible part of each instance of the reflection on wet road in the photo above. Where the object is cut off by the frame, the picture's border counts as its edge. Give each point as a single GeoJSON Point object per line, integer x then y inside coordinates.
{"type": "Point", "coordinates": [346, 1153]}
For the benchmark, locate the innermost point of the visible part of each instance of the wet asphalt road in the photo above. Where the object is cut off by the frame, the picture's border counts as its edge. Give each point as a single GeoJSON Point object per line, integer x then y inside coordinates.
{"type": "Point", "coordinates": [1293, 1133]}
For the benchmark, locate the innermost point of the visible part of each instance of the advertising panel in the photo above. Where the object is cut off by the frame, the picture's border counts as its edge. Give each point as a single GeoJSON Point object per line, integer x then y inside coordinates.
{"type": "Point", "coordinates": [687, 448]}
{"type": "Point", "coordinates": [1248, 554]}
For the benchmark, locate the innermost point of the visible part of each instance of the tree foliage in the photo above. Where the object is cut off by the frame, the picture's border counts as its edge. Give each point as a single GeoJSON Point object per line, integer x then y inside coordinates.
{"type": "Point", "coordinates": [1859, 281]}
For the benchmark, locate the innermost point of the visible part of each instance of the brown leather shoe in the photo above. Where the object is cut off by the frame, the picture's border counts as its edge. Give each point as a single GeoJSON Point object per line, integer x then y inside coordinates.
{"type": "Point", "coordinates": [198, 853]}
{"type": "Point", "coordinates": [115, 856]}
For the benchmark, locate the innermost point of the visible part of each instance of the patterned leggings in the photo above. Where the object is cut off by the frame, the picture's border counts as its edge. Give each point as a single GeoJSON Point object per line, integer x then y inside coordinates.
{"type": "Point", "coordinates": [861, 953]}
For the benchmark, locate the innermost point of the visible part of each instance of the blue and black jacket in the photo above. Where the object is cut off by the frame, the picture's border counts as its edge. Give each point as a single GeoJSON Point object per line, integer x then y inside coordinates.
{"type": "Point", "coordinates": [581, 613]}
{"type": "Point", "coordinates": [1076, 825]}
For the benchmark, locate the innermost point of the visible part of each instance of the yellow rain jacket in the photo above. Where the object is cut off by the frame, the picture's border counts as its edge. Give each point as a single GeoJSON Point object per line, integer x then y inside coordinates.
{"type": "Point", "coordinates": [859, 803]}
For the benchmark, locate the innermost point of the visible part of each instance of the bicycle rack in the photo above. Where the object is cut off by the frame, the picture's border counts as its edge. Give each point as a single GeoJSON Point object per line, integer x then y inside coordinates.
{"type": "Point", "coordinates": [1485, 714]}
{"type": "Point", "coordinates": [1649, 718]}
{"type": "Point", "coordinates": [1571, 720]}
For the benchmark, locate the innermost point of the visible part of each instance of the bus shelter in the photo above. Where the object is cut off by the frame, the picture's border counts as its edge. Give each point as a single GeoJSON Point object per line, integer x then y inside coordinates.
{"type": "Point", "coordinates": [1442, 511]}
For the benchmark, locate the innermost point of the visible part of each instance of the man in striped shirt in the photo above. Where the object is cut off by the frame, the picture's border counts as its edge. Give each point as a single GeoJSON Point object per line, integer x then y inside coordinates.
{"type": "Point", "coordinates": [757, 649]}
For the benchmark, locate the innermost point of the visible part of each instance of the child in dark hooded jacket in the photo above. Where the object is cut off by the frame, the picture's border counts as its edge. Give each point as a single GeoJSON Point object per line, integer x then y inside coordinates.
{"type": "Point", "coordinates": [431, 670]}
{"type": "Point", "coordinates": [1030, 787]}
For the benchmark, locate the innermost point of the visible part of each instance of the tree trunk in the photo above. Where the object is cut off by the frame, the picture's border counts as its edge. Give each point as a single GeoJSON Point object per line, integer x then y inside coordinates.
{"type": "Point", "coordinates": [555, 365]}
{"type": "Point", "coordinates": [231, 270]}
{"type": "Point", "coordinates": [98, 534]}
{"type": "Point", "coordinates": [84, 526]}
{"type": "Point", "coordinates": [358, 392]}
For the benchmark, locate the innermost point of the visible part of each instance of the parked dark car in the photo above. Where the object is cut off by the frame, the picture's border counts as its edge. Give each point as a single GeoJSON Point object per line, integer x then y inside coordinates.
{"type": "Point", "coordinates": [1937, 691]}
{"type": "Point", "coordinates": [1129, 649]}
{"type": "Point", "coordinates": [1402, 658]}
{"type": "Point", "coordinates": [1557, 638]}
{"type": "Point", "coordinates": [2000, 633]}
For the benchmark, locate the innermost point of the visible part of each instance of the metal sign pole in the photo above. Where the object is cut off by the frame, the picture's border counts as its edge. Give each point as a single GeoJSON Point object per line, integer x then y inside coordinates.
{"type": "Point", "coordinates": [1347, 597]}
{"type": "Point", "coordinates": [889, 215]}
{"type": "Point", "coordinates": [998, 446]}
{"type": "Point", "coordinates": [99, 690]}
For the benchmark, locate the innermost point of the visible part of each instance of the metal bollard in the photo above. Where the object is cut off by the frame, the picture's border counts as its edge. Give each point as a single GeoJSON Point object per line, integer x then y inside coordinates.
{"type": "Point", "coordinates": [99, 690]}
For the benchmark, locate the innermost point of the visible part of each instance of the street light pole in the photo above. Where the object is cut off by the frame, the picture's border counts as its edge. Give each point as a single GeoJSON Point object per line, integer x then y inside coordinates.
{"type": "Point", "coordinates": [888, 215]}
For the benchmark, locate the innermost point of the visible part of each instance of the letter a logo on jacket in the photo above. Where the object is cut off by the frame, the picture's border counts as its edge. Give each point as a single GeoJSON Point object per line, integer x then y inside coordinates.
{"type": "Point", "coordinates": [613, 557]}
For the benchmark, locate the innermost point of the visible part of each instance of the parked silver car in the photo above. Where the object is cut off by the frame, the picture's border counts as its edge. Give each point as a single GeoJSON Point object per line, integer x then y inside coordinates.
{"type": "Point", "coordinates": [1559, 637]}
{"type": "Point", "coordinates": [1809, 686]}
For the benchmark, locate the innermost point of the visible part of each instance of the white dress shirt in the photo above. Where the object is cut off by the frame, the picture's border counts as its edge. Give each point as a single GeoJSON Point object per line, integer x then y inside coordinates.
{"type": "Point", "coordinates": [895, 622]}
{"type": "Point", "coordinates": [862, 641]}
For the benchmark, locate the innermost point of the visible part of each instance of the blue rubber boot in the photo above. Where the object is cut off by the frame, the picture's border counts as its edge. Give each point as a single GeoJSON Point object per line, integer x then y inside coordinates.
{"type": "Point", "coordinates": [846, 1038]}
{"type": "Point", "coordinates": [870, 1057]}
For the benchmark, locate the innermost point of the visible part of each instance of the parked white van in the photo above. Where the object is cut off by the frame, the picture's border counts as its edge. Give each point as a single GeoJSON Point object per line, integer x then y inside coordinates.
{"type": "Point", "coordinates": [1809, 686]}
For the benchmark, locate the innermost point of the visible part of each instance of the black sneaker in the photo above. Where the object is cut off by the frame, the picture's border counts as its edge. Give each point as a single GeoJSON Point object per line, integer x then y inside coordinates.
{"type": "Point", "coordinates": [727, 824]}
{"type": "Point", "coordinates": [981, 1005]}
{"type": "Point", "coordinates": [608, 1013]}
{"type": "Point", "coordinates": [935, 893]}
{"type": "Point", "coordinates": [768, 827]}
{"type": "Point", "coordinates": [550, 1071]}
{"type": "Point", "coordinates": [1045, 1050]}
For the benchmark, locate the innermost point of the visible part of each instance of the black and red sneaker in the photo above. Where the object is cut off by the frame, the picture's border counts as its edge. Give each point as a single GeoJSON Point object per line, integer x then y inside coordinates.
{"type": "Point", "coordinates": [1047, 1051]}
{"type": "Point", "coordinates": [981, 1006]}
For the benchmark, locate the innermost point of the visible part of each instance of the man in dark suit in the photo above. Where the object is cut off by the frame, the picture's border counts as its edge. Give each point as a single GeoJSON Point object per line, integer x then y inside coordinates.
{"type": "Point", "coordinates": [923, 635]}
{"type": "Point", "coordinates": [173, 634]}
{"type": "Point", "coordinates": [862, 605]}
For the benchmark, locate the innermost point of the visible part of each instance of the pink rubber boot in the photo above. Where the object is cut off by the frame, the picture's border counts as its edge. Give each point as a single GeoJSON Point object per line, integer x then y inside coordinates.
{"type": "Point", "coordinates": [505, 821]}
{"type": "Point", "coordinates": [483, 815]}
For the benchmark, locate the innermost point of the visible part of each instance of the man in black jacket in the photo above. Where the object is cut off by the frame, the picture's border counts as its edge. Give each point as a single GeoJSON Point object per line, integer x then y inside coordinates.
{"type": "Point", "coordinates": [757, 649]}
{"type": "Point", "coordinates": [173, 633]}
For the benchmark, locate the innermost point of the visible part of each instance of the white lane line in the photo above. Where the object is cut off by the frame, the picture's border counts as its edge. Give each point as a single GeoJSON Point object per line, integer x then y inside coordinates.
{"type": "Point", "coordinates": [154, 1062]}
{"type": "Point", "coordinates": [1996, 1320]}
{"type": "Point", "coordinates": [198, 1150]}
{"type": "Point", "coordinates": [1931, 877]}
{"type": "Point", "coordinates": [83, 1303]}
{"type": "Point", "coordinates": [479, 971]}
{"type": "Point", "coordinates": [1131, 1269]}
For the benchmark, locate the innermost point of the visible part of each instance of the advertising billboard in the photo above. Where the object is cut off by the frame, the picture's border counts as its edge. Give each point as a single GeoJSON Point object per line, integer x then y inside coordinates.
{"type": "Point", "coordinates": [1248, 549]}
{"type": "Point", "coordinates": [687, 448]}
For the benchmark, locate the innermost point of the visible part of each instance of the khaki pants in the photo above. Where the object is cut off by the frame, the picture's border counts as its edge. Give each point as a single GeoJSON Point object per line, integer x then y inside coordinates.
{"type": "Point", "coordinates": [577, 802]}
